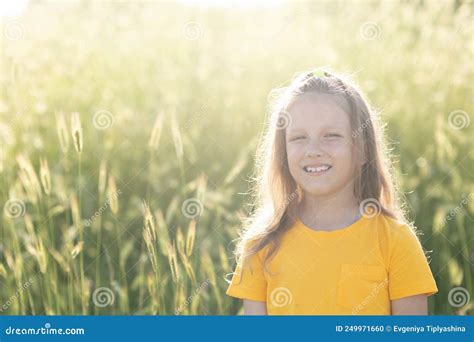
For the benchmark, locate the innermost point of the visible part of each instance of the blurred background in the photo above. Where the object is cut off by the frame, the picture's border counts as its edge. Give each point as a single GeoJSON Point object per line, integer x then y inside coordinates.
{"type": "Point", "coordinates": [128, 131]}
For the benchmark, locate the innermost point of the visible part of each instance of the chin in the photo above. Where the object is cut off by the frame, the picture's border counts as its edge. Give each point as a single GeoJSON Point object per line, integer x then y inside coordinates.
{"type": "Point", "coordinates": [318, 190]}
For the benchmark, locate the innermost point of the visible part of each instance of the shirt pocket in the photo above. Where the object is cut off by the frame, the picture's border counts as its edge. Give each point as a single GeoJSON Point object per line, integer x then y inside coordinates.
{"type": "Point", "coordinates": [362, 288]}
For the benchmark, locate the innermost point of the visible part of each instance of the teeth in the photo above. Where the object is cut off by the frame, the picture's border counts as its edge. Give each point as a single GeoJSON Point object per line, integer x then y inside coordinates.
{"type": "Point", "coordinates": [316, 169]}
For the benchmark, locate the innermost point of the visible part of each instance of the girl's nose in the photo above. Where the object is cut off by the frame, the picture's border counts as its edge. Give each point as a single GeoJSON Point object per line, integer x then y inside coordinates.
{"type": "Point", "coordinates": [314, 150]}
{"type": "Point", "coordinates": [312, 154]}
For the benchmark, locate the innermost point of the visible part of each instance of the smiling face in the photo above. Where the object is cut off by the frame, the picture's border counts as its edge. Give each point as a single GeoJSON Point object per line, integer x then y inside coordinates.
{"type": "Point", "coordinates": [320, 152]}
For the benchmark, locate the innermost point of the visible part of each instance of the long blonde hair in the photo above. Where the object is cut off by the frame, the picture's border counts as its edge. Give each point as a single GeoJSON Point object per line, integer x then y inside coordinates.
{"type": "Point", "coordinates": [275, 194]}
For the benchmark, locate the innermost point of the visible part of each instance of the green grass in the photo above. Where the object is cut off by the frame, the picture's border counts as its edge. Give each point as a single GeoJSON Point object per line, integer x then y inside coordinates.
{"type": "Point", "coordinates": [183, 120]}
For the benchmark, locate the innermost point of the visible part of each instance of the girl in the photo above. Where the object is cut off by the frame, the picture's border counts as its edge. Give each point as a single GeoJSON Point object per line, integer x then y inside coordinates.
{"type": "Point", "coordinates": [327, 235]}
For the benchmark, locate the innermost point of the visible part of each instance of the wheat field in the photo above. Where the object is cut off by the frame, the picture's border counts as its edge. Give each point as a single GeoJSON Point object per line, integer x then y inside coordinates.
{"type": "Point", "coordinates": [128, 132]}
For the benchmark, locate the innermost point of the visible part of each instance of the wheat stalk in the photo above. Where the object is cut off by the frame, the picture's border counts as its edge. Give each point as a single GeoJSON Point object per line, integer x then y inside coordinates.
{"type": "Point", "coordinates": [76, 130]}
{"type": "Point", "coordinates": [76, 216]}
{"type": "Point", "coordinates": [62, 131]}
{"type": "Point", "coordinates": [190, 237]}
{"type": "Point", "coordinates": [45, 176]}
{"type": "Point", "coordinates": [156, 132]}
{"type": "Point", "coordinates": [113, 195]}
{"type": "Point", "coordinates": [173, 262]}
{"type": "Point", "coordinates": [149, 235]}
{"type": "Point", "coordinates": [102, 177]}
{"type": "Point", "coordinates": [29, 178]}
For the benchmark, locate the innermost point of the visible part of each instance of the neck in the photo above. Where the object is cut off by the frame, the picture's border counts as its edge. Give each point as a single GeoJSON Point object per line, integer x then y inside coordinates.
{"type": "Point", "coordinates": [329, 211]}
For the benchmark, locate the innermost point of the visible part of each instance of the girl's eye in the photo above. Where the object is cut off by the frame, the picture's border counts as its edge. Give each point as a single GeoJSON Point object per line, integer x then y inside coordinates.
{"type": "Point", "coordinates": [297, 138]}
{"type": "Point", "coordinates": [333, 135]}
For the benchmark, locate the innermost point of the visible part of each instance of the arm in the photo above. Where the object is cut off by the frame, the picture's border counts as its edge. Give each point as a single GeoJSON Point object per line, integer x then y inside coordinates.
{"type": "Point", "coordinates": [252, 307]}
{"type": "Point", "coordinates": [413, 305]}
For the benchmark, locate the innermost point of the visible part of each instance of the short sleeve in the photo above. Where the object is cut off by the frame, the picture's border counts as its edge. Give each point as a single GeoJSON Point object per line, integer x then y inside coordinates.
{"type": "Point", "coordinates": [249, 282]}
{"type": "Point", "coordinates": [409, 271]}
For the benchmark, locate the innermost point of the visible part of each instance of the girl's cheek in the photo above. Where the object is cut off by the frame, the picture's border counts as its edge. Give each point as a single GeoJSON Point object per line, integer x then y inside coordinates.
{"type": "Point", "coordinates": [293, 152]}
{"type": "Point", "coordinates": [294, 158]}
{"type": "Point", "coordinates": [339, 148]}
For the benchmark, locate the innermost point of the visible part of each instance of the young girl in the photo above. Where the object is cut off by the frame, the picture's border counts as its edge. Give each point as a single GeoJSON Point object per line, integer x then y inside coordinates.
{"type": "Point", "coordinates": [327, 235]}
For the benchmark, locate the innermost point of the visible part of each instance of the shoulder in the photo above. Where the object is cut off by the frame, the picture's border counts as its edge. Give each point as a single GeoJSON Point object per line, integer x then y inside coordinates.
{"type": "Point", "coordinates": [395, 236]}
{"type": "Point", "coordinates": [249, 258]}
{"type": "Point", "coordinates": [393, 229]}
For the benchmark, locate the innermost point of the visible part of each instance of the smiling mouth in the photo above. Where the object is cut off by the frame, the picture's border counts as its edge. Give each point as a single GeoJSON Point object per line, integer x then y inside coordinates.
{"type": "Point", "coordinates": [317, 169]}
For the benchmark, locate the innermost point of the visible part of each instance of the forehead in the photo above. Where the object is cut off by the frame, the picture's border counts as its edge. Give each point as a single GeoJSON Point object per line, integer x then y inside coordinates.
{"type": "Point", "coordinates": [317, 111]}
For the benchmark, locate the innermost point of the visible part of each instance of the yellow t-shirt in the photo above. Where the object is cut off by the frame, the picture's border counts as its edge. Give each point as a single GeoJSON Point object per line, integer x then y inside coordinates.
{"type": "Point", "coordinates": [358, 269]}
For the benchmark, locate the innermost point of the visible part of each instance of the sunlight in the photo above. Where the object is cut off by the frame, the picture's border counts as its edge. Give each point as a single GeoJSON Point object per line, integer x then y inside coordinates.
{"type": "Point", "coordinates": [12, 8]}
{"type": "Point", "coordinates": [232, 3]}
